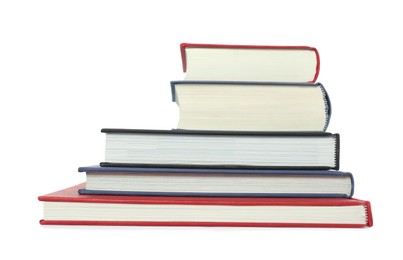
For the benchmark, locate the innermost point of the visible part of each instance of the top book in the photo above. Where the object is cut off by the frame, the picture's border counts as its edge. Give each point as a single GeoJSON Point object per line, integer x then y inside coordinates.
{"type": "Point", "coordinates": [250, 62]}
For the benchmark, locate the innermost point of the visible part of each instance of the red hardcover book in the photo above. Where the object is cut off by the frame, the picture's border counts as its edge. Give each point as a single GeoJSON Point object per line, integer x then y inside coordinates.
{"type": "Point", "coordinates": [67, 207]}
{"type": "Point", "coordinates": [250, 62]}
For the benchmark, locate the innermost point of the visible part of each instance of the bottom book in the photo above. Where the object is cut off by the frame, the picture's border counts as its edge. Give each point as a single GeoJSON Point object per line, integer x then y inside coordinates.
{"type": "Point", "coordinates": [68, 207]}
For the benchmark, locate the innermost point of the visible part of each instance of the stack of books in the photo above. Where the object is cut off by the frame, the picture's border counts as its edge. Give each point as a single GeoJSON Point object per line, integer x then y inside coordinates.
{"type": "Point", "coordinates": [250, 149]}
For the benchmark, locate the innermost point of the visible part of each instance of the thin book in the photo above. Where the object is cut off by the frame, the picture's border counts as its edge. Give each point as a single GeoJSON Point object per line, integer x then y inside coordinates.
{"type": "Point", "coordinates": [211, 182]}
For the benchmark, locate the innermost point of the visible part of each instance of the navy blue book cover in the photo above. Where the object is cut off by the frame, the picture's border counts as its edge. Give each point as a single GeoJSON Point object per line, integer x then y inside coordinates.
{"type": "Point", "coordinates": [172, 170]}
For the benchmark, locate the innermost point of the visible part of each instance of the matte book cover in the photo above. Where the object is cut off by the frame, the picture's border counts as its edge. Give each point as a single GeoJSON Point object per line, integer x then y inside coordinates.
{"type": "Point", "coordinates": [67, 207]}
{"type": "Point", "coordinates": [210, 182]}
{"type": "Point", "coordinates": [251, 106]}
{"type": "Point", "coordinates": [250, 62]}
{"type": "Point", "coordinates": [221, 149]}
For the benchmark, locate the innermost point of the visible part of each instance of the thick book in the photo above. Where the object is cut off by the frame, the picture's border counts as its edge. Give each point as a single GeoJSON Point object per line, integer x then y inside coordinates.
{"type": "Point", "coordinates": [250, 62]}
{"type": "Point", "coordinates": [216, 182]}
{"type": "Point", "coordinates": [221, 149]}
{"type": "Point", "coordinates": [251, 106]}
{"type": "Point", "coordinates": [68, 207]}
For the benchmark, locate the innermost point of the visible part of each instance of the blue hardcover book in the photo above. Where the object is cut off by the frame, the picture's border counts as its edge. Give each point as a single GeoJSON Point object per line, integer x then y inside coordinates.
{"type": "Point", "coordinates": [216, 182]}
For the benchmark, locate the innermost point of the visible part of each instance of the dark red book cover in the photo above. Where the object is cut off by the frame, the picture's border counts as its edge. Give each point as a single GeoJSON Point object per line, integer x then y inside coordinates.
{"type": "Point", "coordinates": [183, 47]}
{"type": "Point", "coordinates": [71, 195]}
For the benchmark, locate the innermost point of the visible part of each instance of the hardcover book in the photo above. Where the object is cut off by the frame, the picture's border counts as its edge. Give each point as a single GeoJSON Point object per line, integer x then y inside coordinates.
{"type": "Point", "coordinates": [221, 149]}
{"type": "Point", "coordinates": [250, 62]}
{"type": "Point", "coordinates": [210, 182]}
{"type": "Point", "coordinates": [251, 106]}
{"type": "Point", "coordinates": [67, 207]}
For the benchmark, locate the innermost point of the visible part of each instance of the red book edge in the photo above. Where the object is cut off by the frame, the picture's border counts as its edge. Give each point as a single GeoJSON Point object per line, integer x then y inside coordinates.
{"type": "Point", "coordinates": [71, 195]}
{"type": "Point", "coordinates": [183, 47]}
{"type": "Point", "coordinates": [196, 224]}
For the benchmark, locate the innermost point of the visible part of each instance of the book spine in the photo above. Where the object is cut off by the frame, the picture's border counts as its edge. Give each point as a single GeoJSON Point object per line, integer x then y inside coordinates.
{"type": "Point", "coordinates": [337, 151]}
{"type": "Point", "coordinates": [368, 213]}
{"type": "Point", "coordinates": [317, 65]}
{"type": "Point", "coordinates": [328, 106]}
{"type": "Point", "coordinates": [352, 185]}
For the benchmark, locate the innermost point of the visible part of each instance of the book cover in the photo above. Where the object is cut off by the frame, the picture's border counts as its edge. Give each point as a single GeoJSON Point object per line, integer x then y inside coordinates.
{"type": "Point", "coordinates": [221, 149]}
{"type": "Point", "coordinates": [159, 181]}
{"type": "Point", "coordinates": [250, 62]}
{"type": "Point", "coordinates": [251, 106]}
{"type": "Point", "coordinates": [68, 207]}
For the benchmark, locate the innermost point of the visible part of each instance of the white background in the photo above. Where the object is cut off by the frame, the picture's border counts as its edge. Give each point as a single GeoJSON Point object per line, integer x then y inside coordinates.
{"type": "Point", "coordinates": [70, 68]}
